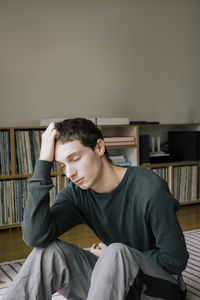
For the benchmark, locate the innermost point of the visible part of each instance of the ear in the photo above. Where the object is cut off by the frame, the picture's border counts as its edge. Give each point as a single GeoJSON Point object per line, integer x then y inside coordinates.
{"type": "Point", "coordinates": [100, 147]}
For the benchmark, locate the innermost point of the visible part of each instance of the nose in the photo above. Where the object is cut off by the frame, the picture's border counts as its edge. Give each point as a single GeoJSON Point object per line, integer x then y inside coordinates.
{"type": "Point", "coordinates": [70, 172]}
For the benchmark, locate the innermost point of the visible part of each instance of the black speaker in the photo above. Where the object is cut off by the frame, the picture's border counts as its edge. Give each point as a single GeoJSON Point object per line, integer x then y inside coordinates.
{"type": "Point", "coordinates": [198, 146]}
{"type": "Point", "coordinates": [144, 149]}
{"type": "Point", "coordinates": [184, 145]}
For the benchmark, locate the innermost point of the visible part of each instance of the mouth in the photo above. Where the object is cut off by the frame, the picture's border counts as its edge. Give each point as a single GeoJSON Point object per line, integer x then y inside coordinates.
{"type": "Point", "coordinates": [78, 181]}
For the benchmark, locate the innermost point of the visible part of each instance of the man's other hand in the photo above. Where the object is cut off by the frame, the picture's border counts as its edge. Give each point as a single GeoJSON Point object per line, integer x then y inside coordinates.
{"type": "Point", "coordinates": [98, 249]}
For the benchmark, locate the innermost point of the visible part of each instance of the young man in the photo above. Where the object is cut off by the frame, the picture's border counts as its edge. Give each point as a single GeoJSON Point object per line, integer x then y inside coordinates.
{"type": "Point", "coordinates": [131, 210]}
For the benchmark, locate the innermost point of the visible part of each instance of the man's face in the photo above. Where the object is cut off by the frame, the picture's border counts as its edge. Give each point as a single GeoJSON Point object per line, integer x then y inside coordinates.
{"type": "Point", "coordinates": [81, 164]}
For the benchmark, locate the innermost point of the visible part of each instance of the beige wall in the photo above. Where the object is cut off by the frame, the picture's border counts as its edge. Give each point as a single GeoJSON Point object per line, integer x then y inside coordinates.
{"type": "Point", "coordinates": [65, 58]}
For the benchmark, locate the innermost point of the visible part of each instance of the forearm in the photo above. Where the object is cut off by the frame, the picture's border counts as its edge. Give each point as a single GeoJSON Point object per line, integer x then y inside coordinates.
{"type": "Point", "coordinates": [169, 249]}
{"type": "Point", "coordinates": [37, 226]}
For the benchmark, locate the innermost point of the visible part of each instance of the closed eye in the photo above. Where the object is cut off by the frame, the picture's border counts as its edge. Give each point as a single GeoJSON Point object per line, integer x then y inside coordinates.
{"type": "Point", "coordinates": [75, 158]}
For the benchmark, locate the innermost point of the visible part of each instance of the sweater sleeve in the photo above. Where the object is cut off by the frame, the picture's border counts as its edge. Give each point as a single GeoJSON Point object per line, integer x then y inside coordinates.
{"type": "Point", "coordinates": [170, 251]}
{"type": "Point", "coordinates": [42, 224]}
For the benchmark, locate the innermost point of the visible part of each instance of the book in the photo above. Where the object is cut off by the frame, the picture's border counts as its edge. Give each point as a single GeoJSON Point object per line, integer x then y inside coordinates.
{"type": "Point", "coordinates": [123, 163]}
{"type": "Point", "coordinates": [120, 143]}
{"type": "Point", "coordinates": [119, 139]}
{"type": "Point", "coordinates": [144, 123]}
{"type": "Point", "coordinates": [5, 157]}
{"type": "Point", "coordinates": [112, 121]}
{"type": "Point", "coordinates": [117, 158]}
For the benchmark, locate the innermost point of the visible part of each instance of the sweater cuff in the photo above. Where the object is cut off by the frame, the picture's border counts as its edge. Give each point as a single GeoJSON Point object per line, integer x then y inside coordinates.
{"type": "Point", "coordinates": [43, 169]}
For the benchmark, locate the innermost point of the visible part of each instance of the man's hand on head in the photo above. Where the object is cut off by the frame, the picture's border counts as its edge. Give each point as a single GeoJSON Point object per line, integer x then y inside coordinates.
{"type": "Point", "coordinates": [48, 143]}
{"type": "Point", "coordinates": [98, 249]}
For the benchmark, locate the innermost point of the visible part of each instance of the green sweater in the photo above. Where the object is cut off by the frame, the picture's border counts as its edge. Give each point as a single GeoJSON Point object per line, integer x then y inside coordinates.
{"type": "Point", "coordinates": [140, 212]}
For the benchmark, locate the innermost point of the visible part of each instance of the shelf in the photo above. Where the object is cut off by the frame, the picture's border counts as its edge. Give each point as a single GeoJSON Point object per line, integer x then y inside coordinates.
{"type": "Point", "coordinates": [10, 226]}
{"type": "Point", "coordinates": [189, 202]}
{"type": "Point", "coordinates": [185, 163]}
{"type": "Point", "coordinates": [167, 125]}
{"type": "Point", "coordinates": [170, 164]}
{"type": "Point", "coordinates": [121, 147]}
{"type": "Point", "coordinates": [118, 125]}
{"type": "Point", "coordinates": [18, 176]}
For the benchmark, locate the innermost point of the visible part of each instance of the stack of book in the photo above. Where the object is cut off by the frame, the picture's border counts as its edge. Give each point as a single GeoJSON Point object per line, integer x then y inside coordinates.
{"type": "Point", "coordinates": [164, 173]}
{"type": "Point", "coordinates": [187, 183]}
{"type": "Point", "coordinates": [5, 158]}
{"type": "Point", "coordinates": [111, 121]}
{"type": "Point", "coordinates": [28, 144]}
{"type": "Point", "coordinates": [53, 192]}
{"type": "Point", "coordinates": [120, 160]}
{"type": "Point", "coordinates": [13, 200]}
{"type": "Point", "coordinates": [119, 141]}
{"type": "Point", "coordinates": [27, 149]}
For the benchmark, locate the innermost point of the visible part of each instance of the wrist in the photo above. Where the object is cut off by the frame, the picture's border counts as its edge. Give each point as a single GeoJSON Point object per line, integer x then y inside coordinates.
{"type": "Point", "coordinates": [43, 169]}
{"type": "Point", "coordinates": [45, 158]}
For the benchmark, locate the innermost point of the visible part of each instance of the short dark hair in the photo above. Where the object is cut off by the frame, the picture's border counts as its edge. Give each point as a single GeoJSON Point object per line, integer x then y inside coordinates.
{"type": "Point", "coordinates": [80, 129]}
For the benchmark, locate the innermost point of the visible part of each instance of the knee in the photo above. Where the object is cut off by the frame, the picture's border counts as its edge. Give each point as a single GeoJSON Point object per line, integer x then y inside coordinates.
{"type": "Point", "coordinates": [55, 251]}
{"type": "Point", "coordinates": [47, 252]}
{"type": "Point", "coordinates": [55, 248]}
{"type": "Point", "coordinates": [117, 248]}
{"type": "Point", "coordinates": [118, 255]}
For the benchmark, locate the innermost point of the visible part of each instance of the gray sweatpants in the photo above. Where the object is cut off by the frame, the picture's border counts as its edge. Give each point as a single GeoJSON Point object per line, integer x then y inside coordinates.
{"type": "Point", "coordinates": [120, 273]}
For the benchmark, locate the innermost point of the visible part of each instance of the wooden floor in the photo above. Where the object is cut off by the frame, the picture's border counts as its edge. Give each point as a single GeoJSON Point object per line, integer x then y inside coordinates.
{"type": "Point", "coordinates": [12, 247]}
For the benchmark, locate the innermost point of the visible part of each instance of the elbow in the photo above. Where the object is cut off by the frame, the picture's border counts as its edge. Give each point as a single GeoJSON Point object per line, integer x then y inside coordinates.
{"type": "Point", "coordinates": [34, 242]}
{"type": "Point", "coordinates": [34, 239]}
{"type": "Point", "coordinates": [180, 262]}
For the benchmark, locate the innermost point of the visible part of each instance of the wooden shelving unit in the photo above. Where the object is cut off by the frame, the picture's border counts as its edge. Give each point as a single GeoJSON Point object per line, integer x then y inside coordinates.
{"type": "Point", "coordinates": [131, 152]}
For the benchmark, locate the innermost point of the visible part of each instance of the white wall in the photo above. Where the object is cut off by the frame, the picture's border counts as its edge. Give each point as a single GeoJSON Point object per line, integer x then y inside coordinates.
{"type": "Point", "coordinates": [66, 58]}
